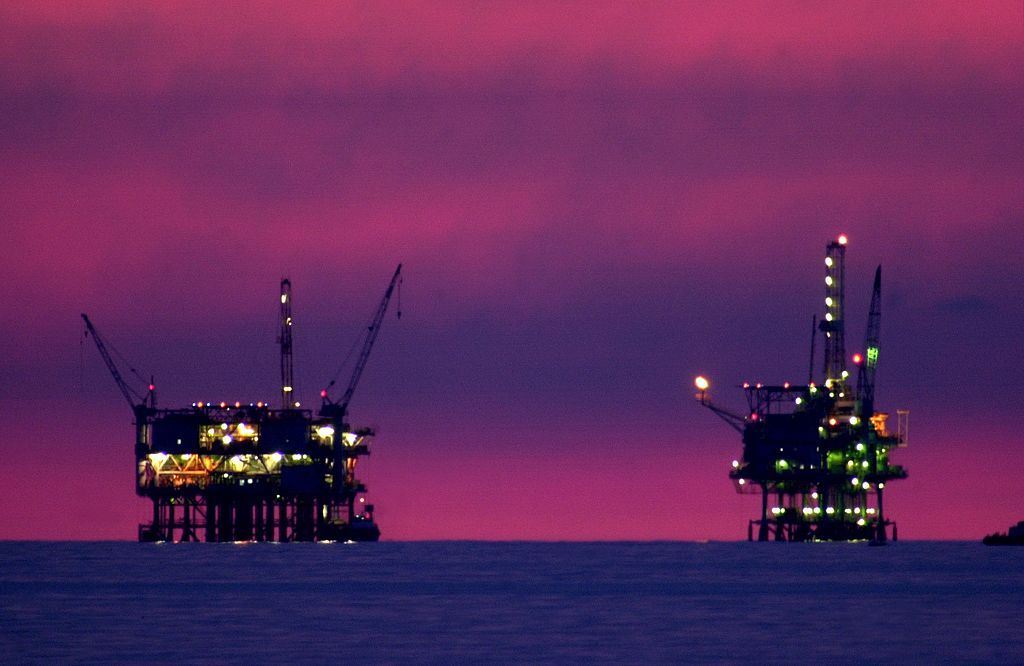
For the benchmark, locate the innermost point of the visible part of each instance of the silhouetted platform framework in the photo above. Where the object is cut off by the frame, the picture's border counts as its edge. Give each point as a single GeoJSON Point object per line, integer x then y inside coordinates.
{"type": "Point", "coordinates": [246, 471]}
{"type": "Point", "coordinates": [819, 454]}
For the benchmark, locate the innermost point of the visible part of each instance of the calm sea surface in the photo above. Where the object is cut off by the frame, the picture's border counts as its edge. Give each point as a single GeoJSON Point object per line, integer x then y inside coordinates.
{"type": "Point", "coordinates": [510, 602]}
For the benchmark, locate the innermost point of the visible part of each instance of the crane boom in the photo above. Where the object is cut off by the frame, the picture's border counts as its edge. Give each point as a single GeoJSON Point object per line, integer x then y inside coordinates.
{"type": "Point", "coordinates": [866, 373]}
{"type": "Point", "coordinates": [373, 330]}
{"type": "Point", "coordinates": [129, 394]}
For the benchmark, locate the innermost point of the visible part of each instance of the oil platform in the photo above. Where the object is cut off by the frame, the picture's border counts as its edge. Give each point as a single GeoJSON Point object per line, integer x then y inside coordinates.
{"type": "Point", "coordinates": [819, 454]}
{"type": "Point", "coordinates": [233, 471]}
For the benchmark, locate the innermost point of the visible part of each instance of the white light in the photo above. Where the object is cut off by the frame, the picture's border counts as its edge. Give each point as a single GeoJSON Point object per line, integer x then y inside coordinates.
{"type": "Point", "coordinates": [871, 511]}
{"type": "Point", "coordinates": [296, 457]}
{"type": "Point", "coordinates": [828, 316]}
{"type": "Point", "coordinates": [276, 457]}
{"type": "Point", "coordinates": [324, 432]}
{"type": "Point", "coordinates": [854, 481]}
{"type": "Point", "coordinates": [817, 509]}
{"type": "Point", "coordinates": [284, 298]}
{"type": "Point", "coordinates": [814, 495]}
{"type": "Point", "coordinates": [828, 261]}
{"type": "Point", "coordinates": [808, 510]}
{"type": "Point", "coordinates": [743, 482]}
{"type": "Point", "coordinates": [881, 485]}
{"type": "Point", "coordinates": [735, 463]}
{"type": "Point", "coordinates": [857, 510]}
{"type": "Point", "coordinates": [226, 439]}
{"type": "Point", "coordinates": [845, 374]}
{"type": "Point", "coordinates": [830, 510]}
{"type": "Point", "coordinates": [865, 464]}
{"type": "Point", "coordinates": [799, 400]}
{"type": "Point", "coordinates": [287, 389]}
{"type": "Point", "coordinates": [828, 301]}
{"type": "Point", "coordinates": [860, 445]}
{"type": "Point", "coordinates": [842, 239]}
{"type": "Point", "coordinates": [828, 280]}
{"type": "Point", "coordinates": [866, 485]}
{"type": "Point", "coordinates": [861, 522]}
{"type": "Point", "coordinates": [701, 383]}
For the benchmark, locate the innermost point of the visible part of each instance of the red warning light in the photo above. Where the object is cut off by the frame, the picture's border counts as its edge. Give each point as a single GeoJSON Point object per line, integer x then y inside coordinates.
{"type": "Point", "coordinates": [323, 393]}
{"type": "Point", "coordinates": [857, 358]}
{"type": "Point", "coordinates": [753, 416]}
{"type": "Point", "coordinates": [152, 387]}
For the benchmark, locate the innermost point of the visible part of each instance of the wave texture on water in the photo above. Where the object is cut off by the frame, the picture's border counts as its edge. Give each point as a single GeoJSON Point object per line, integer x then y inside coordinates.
{"type": "Point", "coordinates": [510, 602]}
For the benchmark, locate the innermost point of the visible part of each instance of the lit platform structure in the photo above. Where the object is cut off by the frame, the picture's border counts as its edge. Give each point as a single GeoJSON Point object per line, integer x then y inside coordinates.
{"type": "Point", "coordinates": [819, 455]}
{"type": "Point", "coordinates": [249, 472]}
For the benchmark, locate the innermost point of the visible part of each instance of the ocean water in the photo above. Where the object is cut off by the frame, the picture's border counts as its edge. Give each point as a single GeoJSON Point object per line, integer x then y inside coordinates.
{"type": "Point", "coordinates": [442, 602]}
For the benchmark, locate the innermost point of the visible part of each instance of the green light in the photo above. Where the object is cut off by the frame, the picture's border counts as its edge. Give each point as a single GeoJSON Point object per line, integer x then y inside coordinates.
{"type": "Point", "coordinates": [872, 356]}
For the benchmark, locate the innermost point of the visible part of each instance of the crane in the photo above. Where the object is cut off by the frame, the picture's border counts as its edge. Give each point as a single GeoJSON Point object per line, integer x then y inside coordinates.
{"type": "Point", "coordinates": [869, 364]}
{"type": "Point", "coordinates": [135, 399]}
{"type": "Point", "coordinates": [340, 408]}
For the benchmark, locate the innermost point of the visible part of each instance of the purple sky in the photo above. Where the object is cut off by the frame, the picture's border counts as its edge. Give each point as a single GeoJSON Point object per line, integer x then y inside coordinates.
{"type": "Point", "coordinates": [593, 202]}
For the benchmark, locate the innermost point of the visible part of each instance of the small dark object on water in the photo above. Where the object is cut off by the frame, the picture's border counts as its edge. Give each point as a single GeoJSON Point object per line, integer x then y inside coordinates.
{"type": "Point", "coordinates": [1013, 537]}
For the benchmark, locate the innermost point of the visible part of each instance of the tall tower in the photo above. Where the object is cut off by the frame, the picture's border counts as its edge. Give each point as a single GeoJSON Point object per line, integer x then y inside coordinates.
{"type": "Point", "coordinates": [285, 340]}
{"type": "Point", "coordinates": [832, 324]}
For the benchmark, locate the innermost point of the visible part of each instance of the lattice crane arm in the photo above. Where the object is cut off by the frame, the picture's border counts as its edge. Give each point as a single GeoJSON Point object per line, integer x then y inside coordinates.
{"type": "Point", "coordinates": [371, 337]}
{"type": "Point", "coordinates": [869, 364]}
{"type": "Point", "coordinates": [129, 394]}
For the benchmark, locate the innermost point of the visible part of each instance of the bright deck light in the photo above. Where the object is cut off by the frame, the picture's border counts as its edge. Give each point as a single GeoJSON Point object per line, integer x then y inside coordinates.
{"type": "Point", "coordinates": [701, 383]}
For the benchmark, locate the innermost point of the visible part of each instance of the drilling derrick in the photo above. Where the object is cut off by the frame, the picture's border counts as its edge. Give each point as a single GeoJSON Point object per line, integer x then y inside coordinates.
{"type": "Point", "coordinates": [233, 471]}
{"type": "Point", "coordinates": [819, 455]}
{"type": "Point", "coordinates": [284, 339]}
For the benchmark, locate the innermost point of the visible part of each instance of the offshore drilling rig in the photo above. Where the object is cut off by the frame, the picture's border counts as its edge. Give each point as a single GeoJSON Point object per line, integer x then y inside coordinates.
{"type": "Point", "coordinates": [820, 451]}
{"type": "Point", "coordinates": [228, 471]}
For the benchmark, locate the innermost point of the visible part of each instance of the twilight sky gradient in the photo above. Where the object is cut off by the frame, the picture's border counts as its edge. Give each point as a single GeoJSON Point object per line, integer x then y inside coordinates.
{"type": "Point", "coordinates": [593, 202]}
